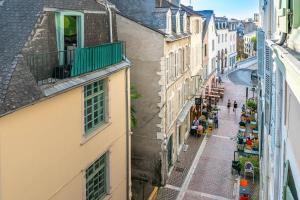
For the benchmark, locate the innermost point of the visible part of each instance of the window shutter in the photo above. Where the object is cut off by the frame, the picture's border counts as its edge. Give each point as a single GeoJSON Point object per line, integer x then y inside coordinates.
{"type": "Point", "coordinates": [260, 52]}
{"type": "Point", "coordinates": [285, 179]}
{"type": "Point", "coordinates": [288, 194]}
{"type": "Point", "coordinates": [268, 71]}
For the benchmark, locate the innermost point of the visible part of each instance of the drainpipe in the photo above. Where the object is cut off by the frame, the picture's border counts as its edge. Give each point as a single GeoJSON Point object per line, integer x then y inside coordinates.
{"type": "Point", "coordinates": [128, 133]}
{"type": "Point", "coordinates": [108, 7]}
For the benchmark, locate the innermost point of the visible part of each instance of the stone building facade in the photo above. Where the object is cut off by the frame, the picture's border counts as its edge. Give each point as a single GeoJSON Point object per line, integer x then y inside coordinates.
{"type": "Point", "coordinates": [165, 53]}
{"type": "Point", "coordinates": [249, 48]}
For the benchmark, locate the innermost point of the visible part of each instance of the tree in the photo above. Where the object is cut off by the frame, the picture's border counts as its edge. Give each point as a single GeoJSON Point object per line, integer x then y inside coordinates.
{"type": "Point", "coordinates": [254, 41]}
{"type": "Point", "coordinates": [134, 95]}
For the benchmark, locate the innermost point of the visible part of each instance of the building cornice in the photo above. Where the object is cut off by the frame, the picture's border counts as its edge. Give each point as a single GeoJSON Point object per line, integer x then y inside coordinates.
{"type": "Point", "coordinates": [291, 66]}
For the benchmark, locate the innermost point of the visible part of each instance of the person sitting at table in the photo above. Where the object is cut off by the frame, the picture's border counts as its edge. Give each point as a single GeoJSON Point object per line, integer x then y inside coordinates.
{"type": "Point", "coordinates": [243, 108]}
{"type": "Point", "coordinates": [199, 130]}
{"type": "Point", "coordinates": [194, 126]}
{"type": "Point", "coordinates": [204, 111]}
{"type": "Point", "coordinates": [195, 122]}
{"type": "Point", "coordinates": [241, 123]}
{"type": "Point", "coordinates": [249, 141]}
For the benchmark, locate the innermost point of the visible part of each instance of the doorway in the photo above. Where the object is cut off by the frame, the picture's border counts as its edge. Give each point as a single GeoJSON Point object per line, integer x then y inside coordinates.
{"type": "Point", "coordinates": [170, 152]}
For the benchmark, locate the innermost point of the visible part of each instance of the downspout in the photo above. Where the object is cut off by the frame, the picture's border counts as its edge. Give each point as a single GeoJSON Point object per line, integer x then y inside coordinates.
{"type": "Point", "coordinates": [108, 7]}
{"type": "Point", "coordinates": [128, 133]}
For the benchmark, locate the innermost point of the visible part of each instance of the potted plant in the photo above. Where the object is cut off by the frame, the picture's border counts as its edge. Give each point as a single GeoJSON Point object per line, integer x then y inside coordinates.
{"type": "Point", "coordinates": [251, 104]}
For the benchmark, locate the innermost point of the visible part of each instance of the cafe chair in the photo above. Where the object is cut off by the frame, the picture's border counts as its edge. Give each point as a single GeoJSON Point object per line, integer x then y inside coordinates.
{"type": "Point", "coordinates": [249, 169]}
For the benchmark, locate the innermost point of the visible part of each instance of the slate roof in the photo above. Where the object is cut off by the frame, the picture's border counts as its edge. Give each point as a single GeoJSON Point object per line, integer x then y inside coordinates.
{"type": "Point", "coordinates": [190, 11]}
{"type": "Point", "coordinates": [149, 13]}
{"type": "Point", "coordinates": [17, 21]}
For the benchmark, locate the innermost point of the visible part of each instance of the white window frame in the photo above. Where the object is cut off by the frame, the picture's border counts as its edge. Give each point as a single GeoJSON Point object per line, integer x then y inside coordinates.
{"type": "Point", "coordinates": [169, 22]}
{"type": "Point", "coordinates": [178, 28]}
{"type": "Point", "coordinates": [185, 23]}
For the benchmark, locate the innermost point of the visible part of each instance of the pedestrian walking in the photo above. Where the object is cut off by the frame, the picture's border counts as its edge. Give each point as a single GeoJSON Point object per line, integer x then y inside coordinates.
{"type": "Point", "coordinates": [220, 80]}
{"type": "Point", "coordinates": [216, 121]}
{"type": "Point", "coordinates": [235, 106]}
{"type": "Point", "coordinates": [228, 104]}
{"type": "Point", "coordinates": [194, 127]}
{"type": "Point", "coordinates": [243, 108]}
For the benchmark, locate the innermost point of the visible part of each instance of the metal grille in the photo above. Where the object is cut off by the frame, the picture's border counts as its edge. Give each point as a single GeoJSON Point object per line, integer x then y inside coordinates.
{"type": "Point", "coordinates": [94, 105]}
{"type": "Point", "coordinates": [96, 179]}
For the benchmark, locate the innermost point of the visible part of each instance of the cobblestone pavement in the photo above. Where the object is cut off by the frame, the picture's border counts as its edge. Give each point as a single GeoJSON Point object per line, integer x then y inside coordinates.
{"type": "Point", "coordinates": [209, 177]}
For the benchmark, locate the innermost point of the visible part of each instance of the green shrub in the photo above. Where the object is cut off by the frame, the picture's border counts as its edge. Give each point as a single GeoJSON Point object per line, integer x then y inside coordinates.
{"type": "Point", "coordinates": [251, 104]}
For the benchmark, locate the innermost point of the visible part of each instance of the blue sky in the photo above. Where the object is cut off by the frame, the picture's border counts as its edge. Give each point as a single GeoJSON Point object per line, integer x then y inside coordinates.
{"type": "Point", "coordinates": [239, 9]}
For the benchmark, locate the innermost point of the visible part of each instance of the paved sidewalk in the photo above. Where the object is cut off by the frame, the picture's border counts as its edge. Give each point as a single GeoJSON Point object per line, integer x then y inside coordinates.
{"type": "Point", "coordinates": [180, 170]}
{"type": "Point", "coordinates": [208, 176]}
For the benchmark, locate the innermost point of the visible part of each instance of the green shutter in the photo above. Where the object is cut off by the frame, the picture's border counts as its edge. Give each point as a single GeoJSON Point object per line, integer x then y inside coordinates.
{"type": "Point", "coordinates": [288, 194]}
{"type": "Point", "coordinates": [285, 179]}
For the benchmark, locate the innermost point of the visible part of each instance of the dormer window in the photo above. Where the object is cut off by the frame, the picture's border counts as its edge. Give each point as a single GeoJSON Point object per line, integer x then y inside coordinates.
{"type": "Point", "coordinates": [169, 22]}
{"type": "Point", "coordinates": [178, 29]}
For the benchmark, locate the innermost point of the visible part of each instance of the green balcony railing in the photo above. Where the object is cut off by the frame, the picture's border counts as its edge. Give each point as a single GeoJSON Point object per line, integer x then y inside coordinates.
{"type": "Point", "coordinates": [94, 58]}
{"type": "Point", "coordinates": [52, 66]}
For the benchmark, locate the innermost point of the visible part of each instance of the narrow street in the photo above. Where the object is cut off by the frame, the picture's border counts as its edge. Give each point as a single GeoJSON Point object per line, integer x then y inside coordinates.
{"type": "Point", "coordinates": [209, 176]}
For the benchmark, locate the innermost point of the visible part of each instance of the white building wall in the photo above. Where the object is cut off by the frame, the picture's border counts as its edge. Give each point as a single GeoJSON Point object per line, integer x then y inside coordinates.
{"type": "Point", "coordinates": [212, 46]}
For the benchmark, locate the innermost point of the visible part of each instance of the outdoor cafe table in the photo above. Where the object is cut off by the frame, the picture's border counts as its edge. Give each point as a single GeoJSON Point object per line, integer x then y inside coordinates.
{"type": "Point", "coordinates": [251, 152]}
{"type": "Point", "coordinates": [214, 96]}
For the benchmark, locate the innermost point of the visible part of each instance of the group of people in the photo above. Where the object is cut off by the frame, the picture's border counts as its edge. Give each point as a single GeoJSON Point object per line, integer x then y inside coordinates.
{"type": "Point", "coordinates": [235, 105]}
{"type": "Point", "coordinates": [201, 124]}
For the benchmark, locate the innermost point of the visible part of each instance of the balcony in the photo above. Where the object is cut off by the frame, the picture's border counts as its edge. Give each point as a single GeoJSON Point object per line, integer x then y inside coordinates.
{"type": "Point", "coordinates": [53, 66]}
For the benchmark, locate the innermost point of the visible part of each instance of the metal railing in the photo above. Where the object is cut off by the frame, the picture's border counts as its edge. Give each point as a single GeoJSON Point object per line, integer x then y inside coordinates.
{"type": "Point", "coordinates": [52, 66]}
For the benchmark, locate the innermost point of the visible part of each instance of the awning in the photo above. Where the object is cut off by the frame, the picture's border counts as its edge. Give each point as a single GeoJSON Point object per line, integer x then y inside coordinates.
{"type": "Point", "coordinates": [185, 111]}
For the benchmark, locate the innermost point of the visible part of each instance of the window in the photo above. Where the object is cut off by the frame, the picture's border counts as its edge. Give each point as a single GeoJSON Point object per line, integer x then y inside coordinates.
{"type": "Point", "coordinates": [69, 32]}
{"type": "Point", "coordinates": [169, 23]}
{"type": "Point", "coordinates": [218, 39]}
{"type": "Point", "coordinates": [176, 65]}
{"type": "Point", "coordinates": [178, 29]}
{"type": "Point", "coordinates": [184, 23]}
{"type": "Point", "coordinates": [225, 37]}
{"type": "Point", "coordinates": [196, 26]}
{"type": "Point", "coordinates": [94, 105]}
{"type": "Point", "coordinates": [213, 45]}
{"type": "Point", "coordinates": [170, 112]}
{"type": "Point", "coordinates": [205, 49]}
{"type": "Point", "coordinates": [222, 38]}
{"type": "Point", "coordinates": [96, 183]}
{"type": "Point", "coordinates": [168, 70]}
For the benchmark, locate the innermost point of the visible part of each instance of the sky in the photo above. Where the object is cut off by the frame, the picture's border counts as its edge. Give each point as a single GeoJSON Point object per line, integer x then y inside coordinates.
{"type": "Point", "coordinates": [239, 9]}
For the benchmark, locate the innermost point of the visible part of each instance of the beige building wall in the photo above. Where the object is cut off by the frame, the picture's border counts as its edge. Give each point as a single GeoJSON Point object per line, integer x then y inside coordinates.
{"type": "Point", "coordinates": [196, 23]}
{"type": "Point", "coordinates": [175, 94]}
{"type": "Point", "coordinates": [44, 153]}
